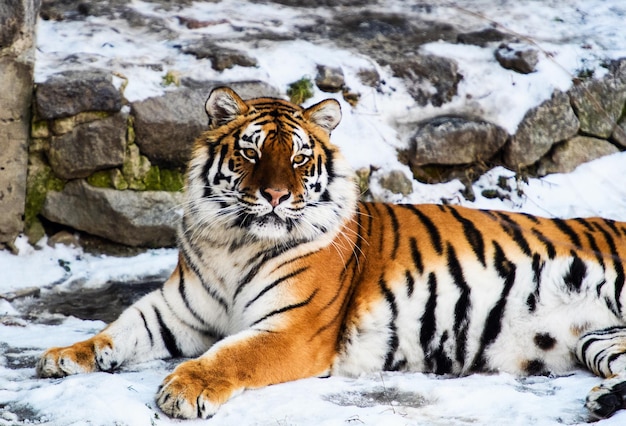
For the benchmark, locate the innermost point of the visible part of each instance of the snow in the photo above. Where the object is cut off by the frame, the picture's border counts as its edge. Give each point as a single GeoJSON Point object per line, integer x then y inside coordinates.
{"type": "Point", "coordinates": [573, 35]}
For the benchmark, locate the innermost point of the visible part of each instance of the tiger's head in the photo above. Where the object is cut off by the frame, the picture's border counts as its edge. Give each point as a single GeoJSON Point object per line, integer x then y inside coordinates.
{"type": "Point", "coordinates": [267, 171]}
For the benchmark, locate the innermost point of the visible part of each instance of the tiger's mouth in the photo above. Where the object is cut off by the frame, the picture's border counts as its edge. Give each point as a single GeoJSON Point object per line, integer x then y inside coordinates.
{"type": "Point", "coordinates": [269, 225]}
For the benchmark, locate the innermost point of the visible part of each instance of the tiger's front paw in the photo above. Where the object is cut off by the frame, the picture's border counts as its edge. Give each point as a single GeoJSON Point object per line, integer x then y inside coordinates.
{"type": "Point", "coordinates": [95, 354]}
{"type": "Point", "coordinates": [193, 391]}
{"type": "Point", "coordinates": [607, 398]}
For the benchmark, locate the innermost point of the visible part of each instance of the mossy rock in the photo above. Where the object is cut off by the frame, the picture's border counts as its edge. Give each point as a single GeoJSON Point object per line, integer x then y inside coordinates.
{"type": "Point", "coordinates": [172, 180]}
{"type": "Point", "coordinates": [40, 180]}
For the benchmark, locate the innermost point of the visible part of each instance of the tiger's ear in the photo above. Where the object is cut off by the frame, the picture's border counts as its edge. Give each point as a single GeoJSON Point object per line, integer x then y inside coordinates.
{"type": "Point", "coordinates": [326, 114]}
{"type": "Point", "coordinates": [223, 106]}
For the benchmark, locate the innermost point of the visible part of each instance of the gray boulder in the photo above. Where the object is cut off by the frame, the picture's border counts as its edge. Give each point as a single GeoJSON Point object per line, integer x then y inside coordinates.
{"type": "Point", "coordinates": [71, 92]}
{"type": "Point", "coordinates": [599, 104]}
{"type": "Point", "coordinates": [455, 140]}
{"type": "Point", "coordinates": [519, 58]}
{"type": "Point", "coordinates": [565, 157]}
{"type": "Point", "coordinates": [166, 126]}
{"type": "Point", "coordinates": [551, 122]}
{"type": "Point", "coordinates": [89, 147]}
{"type": "Point", "coordinates": [329, 79]}
{"type": "Point", "coordinates": [134, 218]}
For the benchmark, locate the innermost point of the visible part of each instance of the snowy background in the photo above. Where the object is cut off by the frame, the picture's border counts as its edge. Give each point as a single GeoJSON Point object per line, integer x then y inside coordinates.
{"type": "Point", "coordinates": [573, 35]}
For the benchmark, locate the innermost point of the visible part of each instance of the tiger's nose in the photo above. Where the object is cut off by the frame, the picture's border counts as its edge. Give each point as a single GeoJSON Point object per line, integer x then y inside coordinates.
{"type": "Point", "coordinates": [275, 196]}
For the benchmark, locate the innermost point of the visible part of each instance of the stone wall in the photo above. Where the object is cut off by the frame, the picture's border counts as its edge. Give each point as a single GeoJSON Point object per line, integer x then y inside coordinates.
{"type": "Point", "coordinates": [563, 132]}
{"type": "Point", "coordinates": [109, 167]}
{"type": "Point", "coordinates": [17, 35]}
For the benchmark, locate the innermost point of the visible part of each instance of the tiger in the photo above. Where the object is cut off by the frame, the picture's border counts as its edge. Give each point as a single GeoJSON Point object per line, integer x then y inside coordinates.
{"type": "Point", "coordinates": [284, 273]}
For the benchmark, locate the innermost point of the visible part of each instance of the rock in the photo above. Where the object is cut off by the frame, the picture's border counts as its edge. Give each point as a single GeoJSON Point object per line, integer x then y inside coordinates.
{"type": "Point", "coordinates": [565, 157]}
{"type": "Point", "coordinates": [17, 34]}
{"type": "Point", "coordinates": [455, 140]}
{"type": "Point", "coordinates": [166, 126]}
{"type": "Point", "coordinates": [329, 79]}
{"type": "Point", "coordinates": [71, 92]}
{"type": "Point", "coordinates": [146, 218]}
{"type": "Point", "coordinates": [619, 133]}
{"type": "Point", "coordinates": [15, 89]}
{"type": "Point", "coordinates": [483, 37]}
{"type": "Point", "coordinates": [551, 122]}
{"type": "Point", "coordinates": [221, 57]}
{"type": "Point", "coordinates": [89, 147]}
{"type": "Point", "coordinates": [245, 89]}
{"type": "Point", "coordinates": [429, 79]}
{"type": "Point", "coordinates": [397, 182]}
{"type": "Point", "coordinates": [519, 58]}
{"type": "Point", "coordinates": [12, 16]}
{"type": "Point", "coordinates": [369, 77]}
{"type": "Point", "coordinates": [599, 104]}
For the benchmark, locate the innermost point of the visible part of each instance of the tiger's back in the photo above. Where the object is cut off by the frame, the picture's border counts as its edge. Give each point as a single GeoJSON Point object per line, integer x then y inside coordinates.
{"type": "Point", "coordinates": [282, 275]}
{"type": "Point", "coordinates": [459, 290]}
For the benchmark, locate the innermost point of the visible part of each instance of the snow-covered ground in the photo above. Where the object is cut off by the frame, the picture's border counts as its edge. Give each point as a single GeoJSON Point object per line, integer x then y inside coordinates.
{"type": "Point", "coordinates": [577, 34]}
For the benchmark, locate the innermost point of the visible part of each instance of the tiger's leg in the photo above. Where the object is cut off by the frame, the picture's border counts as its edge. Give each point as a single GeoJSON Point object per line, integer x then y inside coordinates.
{"type": "Point", "coordinates": [147, 330]}
{"type": "Point", "coordinates": [247, 360]}
{"type": "Point", "coordinates": [604, 353]}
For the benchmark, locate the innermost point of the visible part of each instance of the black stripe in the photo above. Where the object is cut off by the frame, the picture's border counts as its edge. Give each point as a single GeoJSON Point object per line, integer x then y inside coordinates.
{"type": "Point", "coordinates": [392, 342]}
{"type": "Point", "coordinates": [210, 291]}
{"type": "Point", "coordinates": [410, 283]}
{"type": "Point", "coordinates": [575, 275]}
{"type": "Point", "coordinates": [428, 320]}
{"type": "Point", "coordinates": [462, 307]}
{"type": "Point", "coordinates": [366, 206]}
{"type": "Point", "coordinates": [611, 224]}
{"type": "Point", "coordinates": [514, 230]}
{"type": "Point", "coordinates": [493, 325]}
{"type": "Point", "coordinates": [595, 248]}
{"type": "Point", "coordinates": [530, 217]}
{"type": "Point", "coordinates": [207, 329]}
{"type": "Point", "coordinates": [442, 362]}
{"type": "Point", "coordinates": [168, 338]}
{"type": "Point", "coordinates": [433, 231]}
{"type": "Point", "coordinates": [617, 265]}
{"type": "Point", "coordinates": [395, 228]}
{"type": "Point", "coordinates": [547, 244]}
{"type": "Point", "coordinates": [473, 236]}
{"type": "Point", "coordinates": [584, 223]}
{"type": "Point", "coordinates": [416, 255]}
{"type": "Point", "coordinates": [275, 283]}
{"type": "Point", "coordinates": [261, 259]}
{"type": "Point", "coordinates": [286, 308]}
{"type": "Point", "coordinates": [533, 298]}
{"type": "Point", "coordinates": [211, 148]}
{"type": "Point", "coordinates": [145, 324]}
{"type": "Point", "coordinates": [567, 230]}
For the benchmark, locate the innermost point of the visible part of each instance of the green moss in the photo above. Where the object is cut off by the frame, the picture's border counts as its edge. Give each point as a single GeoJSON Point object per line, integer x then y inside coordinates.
{"type": "Point", "coordinates": [172, 180]}
{"type": "Point", "coordinates": [40, 180]}
{"type": "Point", "coordinates": [301, 90]}
{"type": "Point", "coordinates": [101, 179]}
{"type": "Point", "coordinates": [152, 179]}
{"type": "Point", "coordinates": [39, 129]}
{"type": "Point", "coordinates": [171, 77]}
{"type": "Point", "coordinates": [130, 130]}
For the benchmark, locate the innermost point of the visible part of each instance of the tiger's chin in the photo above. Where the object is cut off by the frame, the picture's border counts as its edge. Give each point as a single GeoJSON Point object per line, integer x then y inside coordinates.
{"type": "Point", "coordinates": [271, 228]}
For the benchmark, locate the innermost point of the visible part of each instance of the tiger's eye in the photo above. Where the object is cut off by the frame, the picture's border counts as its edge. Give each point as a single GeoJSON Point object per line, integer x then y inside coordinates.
{"type": "Point", "coordinates": [300, 159]}
{"type": "Point", "coordinates": [250, 153]}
